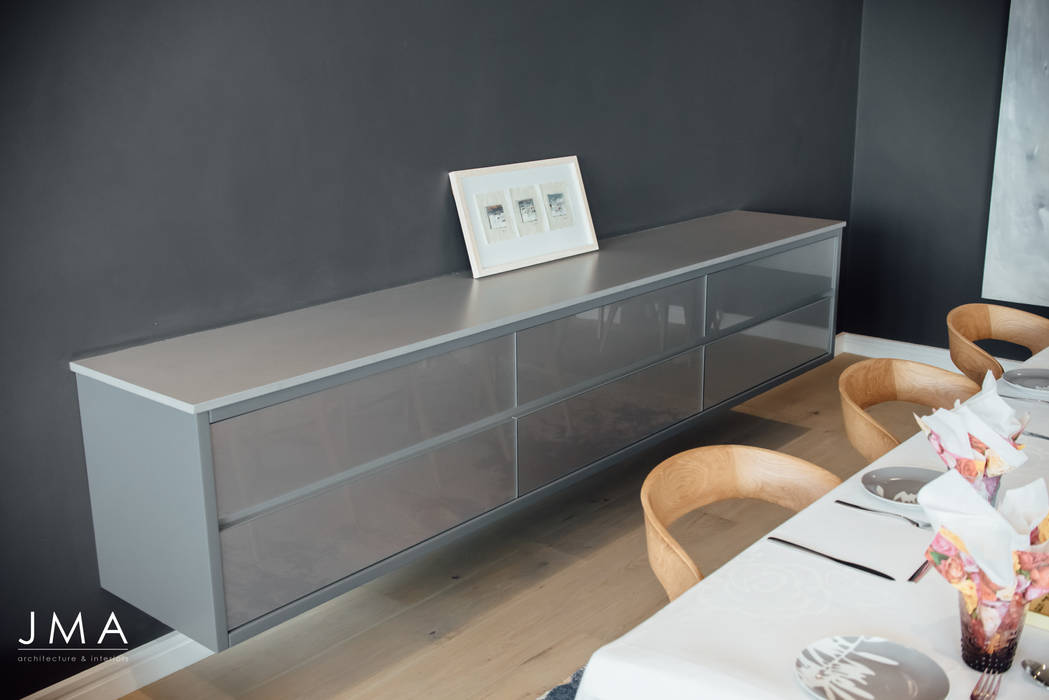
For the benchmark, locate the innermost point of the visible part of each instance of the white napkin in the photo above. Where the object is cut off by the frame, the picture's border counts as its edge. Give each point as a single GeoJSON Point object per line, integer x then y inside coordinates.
{"type": "Point", "coordinates": [1025, 508]}
{"type": "Point", "coordinates": [993, 410]}
{"type": "Point", "coordinates": [986, 417]}
{"type": "Point", "coordinates": [990, 536]}
{"type": "Point", "coordinates": [952, 432]}
{"type": "Point", "coordinates": [990, 437]}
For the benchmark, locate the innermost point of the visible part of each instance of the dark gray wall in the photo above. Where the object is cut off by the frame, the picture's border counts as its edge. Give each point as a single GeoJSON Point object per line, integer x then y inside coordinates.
{"type": "Point", "coordinates": [926, 125]}
{"type": "Point", "coordinates": [173, 166]}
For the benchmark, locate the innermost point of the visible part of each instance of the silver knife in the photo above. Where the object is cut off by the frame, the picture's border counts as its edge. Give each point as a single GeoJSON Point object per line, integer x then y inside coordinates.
{"type": "Point", "coordinates": [854, 565]}
{"type": "Point", "coordinates": [1033, 434]}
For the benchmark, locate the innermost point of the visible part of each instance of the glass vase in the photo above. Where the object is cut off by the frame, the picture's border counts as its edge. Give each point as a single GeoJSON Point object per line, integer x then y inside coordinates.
{"type": "Point", "coordinates": [990, 633]}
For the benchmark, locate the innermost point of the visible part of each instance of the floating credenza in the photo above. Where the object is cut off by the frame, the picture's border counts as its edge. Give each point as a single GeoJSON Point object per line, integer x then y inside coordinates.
{"type": "Point", "coordinates": [242, 475]}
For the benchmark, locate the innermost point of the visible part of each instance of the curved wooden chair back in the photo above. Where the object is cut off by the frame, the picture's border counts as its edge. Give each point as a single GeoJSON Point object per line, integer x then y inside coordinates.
{"type": "Point", "coordinates": [871, 382]}
{"type": "Point", "coordinates": [971, 322]}
{"type": "Point", "coordinates": [697, 477]}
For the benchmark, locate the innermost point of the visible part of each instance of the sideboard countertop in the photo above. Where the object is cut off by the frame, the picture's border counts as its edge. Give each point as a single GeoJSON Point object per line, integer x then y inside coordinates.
{"type": "Point", "coordinates": [209, 369]}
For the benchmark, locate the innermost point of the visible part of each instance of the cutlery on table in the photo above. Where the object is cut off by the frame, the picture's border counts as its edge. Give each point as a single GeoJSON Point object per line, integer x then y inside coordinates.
{"type": "Point", "coordinates": [852, 564]}
{"type": "Point", "coordinates": [1033, 434]}
{"type": "Point", "coordinates": [1038, 672]}
{"type": "Point", "coordinates": [920, 572]}
{"type": "Point", "coordinates": [1023, 398]}
{"type": "Point", "coordinates": [986, 687]}
{"type": "Point", "coordinates": [916, 523]}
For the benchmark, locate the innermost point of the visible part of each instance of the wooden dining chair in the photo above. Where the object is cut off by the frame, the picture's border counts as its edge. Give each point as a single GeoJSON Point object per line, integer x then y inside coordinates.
{"type": "Point", "coordinates": [871, 382]}
{"type": "Point", "coordinates": [704, 475]}
{"type": "Point", "coordinates": [971, 322]}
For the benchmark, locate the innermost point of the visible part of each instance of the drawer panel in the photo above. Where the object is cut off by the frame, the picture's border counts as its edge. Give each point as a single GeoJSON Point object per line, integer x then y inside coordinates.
{"type": "Point", "coordinates": [570, 434]}
{"type": "Point", "coordinates": [770, 286]}
{"type": "Point", "coordinates": [748, 358]}
{"type": "Point", "coordinates": [264, 454]}
{"type": "Point", "coordinates": [285, 554]}
{"type": "Point", "coordinates": [573, 350]}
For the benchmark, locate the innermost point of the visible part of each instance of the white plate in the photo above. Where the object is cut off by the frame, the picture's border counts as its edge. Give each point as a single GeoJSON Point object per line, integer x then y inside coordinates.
{"type": "Point", "coordinates": [898, 485]}
{"type": "Point", "coordinates": [1029, 380]}
{"type": "Point", "coordinates": [847, 668]}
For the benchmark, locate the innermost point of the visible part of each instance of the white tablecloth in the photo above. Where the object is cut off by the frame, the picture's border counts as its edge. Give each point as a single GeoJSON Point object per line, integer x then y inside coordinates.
{"type": "Point", "coordinates": [737, 633]}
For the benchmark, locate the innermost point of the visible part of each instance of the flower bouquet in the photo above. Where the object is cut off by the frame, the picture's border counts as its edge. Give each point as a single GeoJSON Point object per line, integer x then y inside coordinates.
{"type": "Point", "coordinates": [997, 560]}
{"type": "Point", "coordinates": [978, 439]}
{"type": "Point", "coordinates": [992, 615]}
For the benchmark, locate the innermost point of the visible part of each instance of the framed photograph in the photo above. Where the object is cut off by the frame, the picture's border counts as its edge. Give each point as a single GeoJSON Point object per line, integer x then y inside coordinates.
{"type": "Point", "coordinates": [523, 214]}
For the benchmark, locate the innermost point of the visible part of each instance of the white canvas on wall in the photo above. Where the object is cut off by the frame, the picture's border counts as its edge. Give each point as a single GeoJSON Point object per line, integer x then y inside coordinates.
{"type": "Point", "coordinates": [1016, 264]}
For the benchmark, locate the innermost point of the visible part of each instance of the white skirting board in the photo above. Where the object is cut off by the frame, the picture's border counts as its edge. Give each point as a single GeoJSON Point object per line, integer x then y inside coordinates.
{"type": "Point", "coordinates": [127, 673]}
{"type": "Point", "coordinates": [174, 651]}
{"type": "Point", "coordinates": [869, 346]}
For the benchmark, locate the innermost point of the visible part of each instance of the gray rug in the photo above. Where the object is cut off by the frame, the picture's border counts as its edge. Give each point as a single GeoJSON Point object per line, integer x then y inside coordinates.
{"type": "Point", "coordinates": [567, 690]}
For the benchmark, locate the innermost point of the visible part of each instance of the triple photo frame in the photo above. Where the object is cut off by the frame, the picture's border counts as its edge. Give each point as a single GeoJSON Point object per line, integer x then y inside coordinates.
{"type": "Point", "coordinates": [523, 214]}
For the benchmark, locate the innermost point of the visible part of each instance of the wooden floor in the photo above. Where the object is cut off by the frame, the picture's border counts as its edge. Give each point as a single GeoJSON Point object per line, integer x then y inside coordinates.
{"type": "Point", "coordinates": [512, 611]}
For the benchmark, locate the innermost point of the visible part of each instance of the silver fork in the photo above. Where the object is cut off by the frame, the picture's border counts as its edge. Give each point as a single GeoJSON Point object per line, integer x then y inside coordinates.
{"type": "Point", "coordinates": [912, 521]}
{"type": "Point", "coordinates": [986, 687]}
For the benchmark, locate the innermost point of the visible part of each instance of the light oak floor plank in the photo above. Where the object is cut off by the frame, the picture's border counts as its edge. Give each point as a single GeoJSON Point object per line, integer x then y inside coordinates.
{"type": "Point", "coordinates": [513, 610]}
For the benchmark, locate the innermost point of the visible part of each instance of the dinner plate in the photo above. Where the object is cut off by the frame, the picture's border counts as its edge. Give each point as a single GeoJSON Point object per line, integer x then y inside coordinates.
{"type": "Point", "coordinates": [898, 485]}
{"type": "Point", "coordinates": [848, 668]}
{"type": "Point", "coordinates": [1030, 380]}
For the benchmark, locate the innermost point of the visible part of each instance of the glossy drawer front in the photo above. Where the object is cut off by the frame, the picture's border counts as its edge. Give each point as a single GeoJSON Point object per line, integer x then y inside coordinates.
{"type": "Point", "coordinates": [288, 553]}
{"type": "Point", "coordinates": [748, 358]}
{"type": "Point", "coordinates": [770, 286]}
{"type": "Point", "coordinates": [264, 454]}
{"type": "Point", "coordinates": [574, 350]}
{"type": "Point", "coordinates": [561, 438]}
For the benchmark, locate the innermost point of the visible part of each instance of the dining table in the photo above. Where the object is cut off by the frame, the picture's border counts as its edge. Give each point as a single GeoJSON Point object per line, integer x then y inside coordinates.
{"type": "Point", "coordinates": [739, 631]}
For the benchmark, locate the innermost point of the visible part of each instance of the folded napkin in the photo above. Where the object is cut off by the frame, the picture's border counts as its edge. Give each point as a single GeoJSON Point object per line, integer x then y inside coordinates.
{"type": "Point", "coordinates": [992, 409]}
{"type": "Point", "coordinates": [978, 438]}
{"type": "Point", "coordinates": [997, 559]}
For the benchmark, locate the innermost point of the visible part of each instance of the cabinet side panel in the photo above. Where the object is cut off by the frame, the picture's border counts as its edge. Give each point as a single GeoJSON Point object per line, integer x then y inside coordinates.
{"type": "Point", "coordinates": [152, 504]}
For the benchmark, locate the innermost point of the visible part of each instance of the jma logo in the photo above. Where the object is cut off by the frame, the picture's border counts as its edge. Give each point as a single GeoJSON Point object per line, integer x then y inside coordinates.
{"type": "Point", "coordinates": [112, 627]}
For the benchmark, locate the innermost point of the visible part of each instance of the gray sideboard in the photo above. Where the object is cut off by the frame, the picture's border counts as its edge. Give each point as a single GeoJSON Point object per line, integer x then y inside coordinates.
{"type": "Point", "coordinates": [244, 474]}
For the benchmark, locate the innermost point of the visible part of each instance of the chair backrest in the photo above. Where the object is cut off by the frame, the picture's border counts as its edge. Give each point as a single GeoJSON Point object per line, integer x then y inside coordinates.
{"type": "Point", "coordinates": [697, 477]}
{"type": "Point", "coordinates": [871, 382]}
{"type": "Point", "coordinates": [971, 322]}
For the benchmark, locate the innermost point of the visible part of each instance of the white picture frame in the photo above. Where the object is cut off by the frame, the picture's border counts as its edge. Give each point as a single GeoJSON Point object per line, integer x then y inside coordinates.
{"type": "Point", "coordinates": [523, 214]}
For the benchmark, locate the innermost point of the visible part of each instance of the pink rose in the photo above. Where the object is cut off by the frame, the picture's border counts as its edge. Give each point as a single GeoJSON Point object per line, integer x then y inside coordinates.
{"type": "Point", "coordinates": [1026, 560]}
{"type": "Point", "coordinates": [1040, 576]}
{"type": "Point", "coordinates": [968, 468]}
{"type": "Point", "coordinates": [953, 570]}
{"type": "Point", "coordinates": [986, 589]}
{"type": "Point", "coordinates": [942, 545]}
